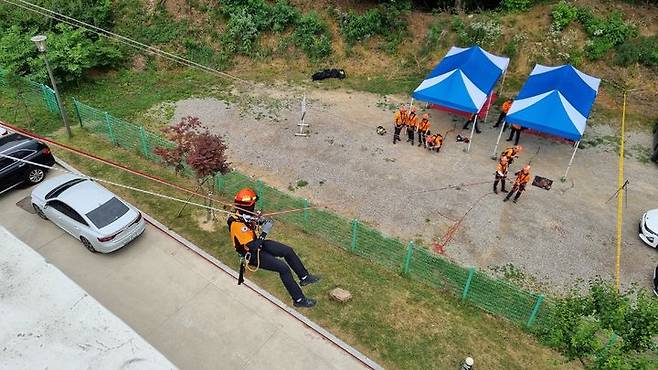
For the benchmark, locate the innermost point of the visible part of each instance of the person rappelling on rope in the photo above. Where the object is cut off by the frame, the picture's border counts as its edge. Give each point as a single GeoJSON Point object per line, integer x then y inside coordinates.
{"type": "Point", "coordinates": [522, 179]}
{"type": "Point", "coordinates": [248, 231]}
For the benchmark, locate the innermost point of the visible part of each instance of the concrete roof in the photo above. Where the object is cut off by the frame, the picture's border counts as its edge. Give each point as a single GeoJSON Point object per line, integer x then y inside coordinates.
{"type": "Point", "coordinates": [48, 321]}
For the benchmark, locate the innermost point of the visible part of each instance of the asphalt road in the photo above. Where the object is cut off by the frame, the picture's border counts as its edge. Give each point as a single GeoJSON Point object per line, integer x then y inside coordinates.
{"type": "Point", "coordinates": [187, 308]}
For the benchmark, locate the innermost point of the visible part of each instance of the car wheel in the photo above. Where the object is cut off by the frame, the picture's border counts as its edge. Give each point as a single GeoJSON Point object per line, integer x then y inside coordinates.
{"type": "Point", "coordinates": [39, 211]}
{"type": "Point", "coordinates": [35, 175]}
{"type": "Point", "coordinates": [88, 245]}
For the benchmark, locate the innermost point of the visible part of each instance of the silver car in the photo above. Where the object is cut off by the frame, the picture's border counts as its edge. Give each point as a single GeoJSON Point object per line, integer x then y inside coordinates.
{"type": "Point", "coordinates": [88, 211]}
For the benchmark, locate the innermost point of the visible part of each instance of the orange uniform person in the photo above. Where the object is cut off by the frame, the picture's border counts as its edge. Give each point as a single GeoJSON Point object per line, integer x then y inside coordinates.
{"type": "Point", "coordinates": [511, 153]}
{"type": "Point", "coordinates": [423, 129]}
{"type": "Point", "coordinates": [522, 179]}
{"type": "Point", "coordinates": [503, 112]}
{"type": "Point", "coordinates": [515, 129]}
{"type": "Point", "coordinates": [501, 174]}
{"type": "Point", "coordinates": [434, 142]}
{"type": "Point", "coordinates": [399, 121]}
{"type": "Point", "coordinates": [248, 231]}
{"type": "Point", "coordinates": [412, 122]}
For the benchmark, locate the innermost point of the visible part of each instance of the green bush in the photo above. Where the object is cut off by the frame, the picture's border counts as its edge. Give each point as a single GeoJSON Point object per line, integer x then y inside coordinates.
{"type": "Point", "coordinates": [563, 13]}
{"type": "Point", "coordinates": [643, 50]}
{"type": "Point", "coordinates": [604, 33]}
{"type": "Point", "coordinates": [482, 31]}
{"type": "Point", "coordinates": [516, 5]}
{"type": "Point", "coordinates": [388, 21]}
{"type": "Point", "coordinates": [312, 35]}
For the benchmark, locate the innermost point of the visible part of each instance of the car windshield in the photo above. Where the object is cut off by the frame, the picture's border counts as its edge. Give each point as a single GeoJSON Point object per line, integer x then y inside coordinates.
{"type": "Point", "coordinates": [107, 213]}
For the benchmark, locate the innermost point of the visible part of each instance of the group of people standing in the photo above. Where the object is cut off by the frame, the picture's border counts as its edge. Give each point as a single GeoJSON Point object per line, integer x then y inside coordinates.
{"type": "Point", "coordinates": [407, 118]}
{"type": "Point", "coordinates": [522, 176]}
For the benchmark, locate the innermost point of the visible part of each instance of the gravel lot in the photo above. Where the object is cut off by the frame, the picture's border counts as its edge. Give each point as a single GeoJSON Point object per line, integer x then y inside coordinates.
{"type": "Point", "coordinates": [550, 238]}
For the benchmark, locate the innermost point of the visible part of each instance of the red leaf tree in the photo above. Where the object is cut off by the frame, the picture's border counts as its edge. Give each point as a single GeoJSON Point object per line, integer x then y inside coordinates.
{"type": "Point", "coordinates": [202, 150]}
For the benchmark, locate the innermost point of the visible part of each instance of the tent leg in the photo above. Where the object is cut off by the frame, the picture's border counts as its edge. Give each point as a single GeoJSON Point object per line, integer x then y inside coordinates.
{"type": "Point", "coordinates": [500, 134]}
{"type": "Point", "coordinates": [486, 114]}
{"type": "Point", "coordinates": [470, 140]}
{"type": "Point", "coordinates": [411, 104]}
{"type": "Point", "coordinates": [575, 148]}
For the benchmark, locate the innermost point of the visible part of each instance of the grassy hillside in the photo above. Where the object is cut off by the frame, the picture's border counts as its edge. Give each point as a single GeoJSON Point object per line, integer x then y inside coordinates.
{"type": "Point", "coordinates": [388, 50]}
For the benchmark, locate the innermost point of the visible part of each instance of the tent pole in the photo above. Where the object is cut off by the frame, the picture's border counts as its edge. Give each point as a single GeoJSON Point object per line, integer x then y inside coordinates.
{"type": "Point", "coordinates": [486, 114]}
{"type": "Point", "coordinates": [470, 140]}
{"type": "Point", "coordinates": [502, 84]}
{"type": "Point", "coordinates": [500, 134]}
{"type": "Point", "coordinates": [411, 104]}
{"type": "Point", "coordinates": [575, 148]}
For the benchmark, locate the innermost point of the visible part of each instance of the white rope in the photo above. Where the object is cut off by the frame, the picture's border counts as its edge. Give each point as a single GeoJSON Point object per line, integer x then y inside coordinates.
{"type": "Point", "coordinates": [123, 39]}
{"type": "Point", "coordinates": [118, 184]}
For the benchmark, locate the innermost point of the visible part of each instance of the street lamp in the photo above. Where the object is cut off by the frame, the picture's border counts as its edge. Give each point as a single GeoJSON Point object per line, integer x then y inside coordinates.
{"type": "Point", "coordinates": [40, 41]}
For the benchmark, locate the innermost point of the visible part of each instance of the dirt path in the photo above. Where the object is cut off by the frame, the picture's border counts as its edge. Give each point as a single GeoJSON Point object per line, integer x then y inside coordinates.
{"type": "Point", "coordinates": [550, 237]}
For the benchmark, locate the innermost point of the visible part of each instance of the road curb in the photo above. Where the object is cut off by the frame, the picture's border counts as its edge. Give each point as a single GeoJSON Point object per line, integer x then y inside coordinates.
{"type": "Point", "coordinates": [249, 284]}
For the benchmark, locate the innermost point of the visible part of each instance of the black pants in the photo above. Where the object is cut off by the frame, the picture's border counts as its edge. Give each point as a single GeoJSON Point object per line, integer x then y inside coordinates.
{"type": "Point", "coordinates": [269, 252]}
{"type": "Point", "coordinates": [422, 136]}
{"type": "Point", "coordinates": [512, 132]}
{"type": "Point", "coordinates": [410, 135]}
{"type": "Point", "coordinates": [396, 133]}
{"type": "Point", "coordinates": [470, 120]}
{"type": "Point", "coordinates": [500, 179]}
{"type": "Point", "coordinates": [501, 118]}
{"type": "Point", "coordinates": [518, 189]}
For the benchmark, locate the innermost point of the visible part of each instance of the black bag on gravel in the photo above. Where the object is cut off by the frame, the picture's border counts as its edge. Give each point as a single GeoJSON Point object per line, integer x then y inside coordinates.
{"type": "Point", "coordinates": [329, 73]}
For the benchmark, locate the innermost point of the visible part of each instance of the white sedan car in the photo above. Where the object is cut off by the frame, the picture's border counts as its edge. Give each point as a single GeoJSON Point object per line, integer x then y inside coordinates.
{"type": "Point", "coordinates": [649, 228]}
{"type": "Point", "coordinates": [88, 211]}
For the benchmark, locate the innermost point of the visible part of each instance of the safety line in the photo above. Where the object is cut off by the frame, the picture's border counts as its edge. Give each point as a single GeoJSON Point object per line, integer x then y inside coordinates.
{"type": "Point", "coordinates": [116, 184]}
{"type": "Point", "coordinates": [119, 166]}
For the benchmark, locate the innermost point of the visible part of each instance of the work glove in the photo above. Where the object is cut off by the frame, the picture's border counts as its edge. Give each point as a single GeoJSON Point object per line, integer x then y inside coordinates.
{"type": "Point", "coordinates": [267, 226]}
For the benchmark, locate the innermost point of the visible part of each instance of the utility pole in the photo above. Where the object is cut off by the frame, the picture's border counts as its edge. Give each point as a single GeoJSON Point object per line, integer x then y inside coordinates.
{"type": "Point", "coordinates": [40, 41]}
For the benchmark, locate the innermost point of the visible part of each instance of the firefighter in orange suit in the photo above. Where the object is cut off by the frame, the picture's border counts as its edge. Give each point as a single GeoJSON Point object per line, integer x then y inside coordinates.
{"type": "Point", "coordinates": [511, 153]}
{"type": "Point", "coordinates": [522, 179]}
{"type": "Point", "coordinates": [248, 231]}
{"type": "Point", "coordinates": [434, 142]}
{"type": "Point", "coordinates": [423, 129]}
{"type": "Point", "coordinates": [412, 121]}
{"type": "Point", "coordinates": [501, 174]}
{"type": "Point", "coordinates": [399, 121]}
{"type": "Point", "coordinates": [503, 113]}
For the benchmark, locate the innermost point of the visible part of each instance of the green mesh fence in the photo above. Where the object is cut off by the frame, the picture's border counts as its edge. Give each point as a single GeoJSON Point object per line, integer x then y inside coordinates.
{"type": "Point", "coordinates": [43, 92]}
{"type": "Point", "coordinates": [495, 296]}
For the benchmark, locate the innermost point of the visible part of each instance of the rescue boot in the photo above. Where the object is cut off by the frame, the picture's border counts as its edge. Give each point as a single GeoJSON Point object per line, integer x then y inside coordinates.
{"type": "Point", "coordinates": [309, 279]}
{"type": "Point", "coordinates": [304, 302]}
{"type": "Point", "coordinates": [509, 195]}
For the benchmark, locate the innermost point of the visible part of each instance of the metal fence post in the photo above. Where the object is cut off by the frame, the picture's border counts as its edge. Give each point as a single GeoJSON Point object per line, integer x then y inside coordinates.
{"type": "Point", "coordinates": [110, 131]}
{"type": "Point", "coordinates": [259, 193]}
{"type": "Point", "coordinates": [219, 182]}
{"type": "Point", "coordinates": [355, 223]}
{"type": "Point", "coordinates": [305, 211]}
{"type": "Point", "coordinates": [467, 286]}
{"type": "Point", "coordinates": [535, 310]}
{"type": "Point", "coordinates": [407, 257]}
{"type": "Point", "coordinates": [145, 145]}
{"type": "Point", "coordinates": [77, 111]}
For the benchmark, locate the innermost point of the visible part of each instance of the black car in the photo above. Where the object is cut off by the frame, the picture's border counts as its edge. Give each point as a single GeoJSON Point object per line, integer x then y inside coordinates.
{"type": "Point", "coordinates": [14, 173]}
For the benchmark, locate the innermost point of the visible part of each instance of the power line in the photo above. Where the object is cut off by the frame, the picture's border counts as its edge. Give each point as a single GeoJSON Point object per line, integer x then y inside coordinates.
{"type": "Point", "coordinates": [122, 39]}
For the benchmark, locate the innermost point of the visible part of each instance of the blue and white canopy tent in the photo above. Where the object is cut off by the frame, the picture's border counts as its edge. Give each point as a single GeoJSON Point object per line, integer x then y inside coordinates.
{"type": "Point", "coordinates": [556, 101]}
{"type": "Point", "coordinates": [462, 80]}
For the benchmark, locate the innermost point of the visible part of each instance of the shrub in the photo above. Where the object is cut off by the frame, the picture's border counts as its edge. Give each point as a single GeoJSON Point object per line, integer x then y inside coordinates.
{"type": "Point", "coordinates": [312, 35]}
{"type": "Point", "coordinates": [484, 32]}
{"type": "Point", "coordinates": [563, 14]}
{"type": "Point", "coordinates": [385, 20]}
{"type": "Point", "coordinates": [515, 5]}
{"type": "Point", "coordinates": [643, 50]}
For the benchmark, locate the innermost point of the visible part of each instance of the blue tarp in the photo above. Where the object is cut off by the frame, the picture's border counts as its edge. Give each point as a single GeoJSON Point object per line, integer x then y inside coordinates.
{"type": "Point", "coordinates": [556, 101]}
{"type": "Point", "coordinates": [463, 79]}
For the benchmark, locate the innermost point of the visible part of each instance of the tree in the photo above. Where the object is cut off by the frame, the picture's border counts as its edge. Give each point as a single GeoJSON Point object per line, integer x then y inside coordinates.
{"type": "Point", "coordinates": [603, 329]}
{"type": "Point", "coordinates": [197, 147]}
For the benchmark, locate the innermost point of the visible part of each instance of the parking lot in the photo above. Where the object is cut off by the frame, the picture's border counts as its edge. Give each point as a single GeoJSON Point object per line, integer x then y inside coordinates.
{"type": "Point", "coordinates": [187, 308]}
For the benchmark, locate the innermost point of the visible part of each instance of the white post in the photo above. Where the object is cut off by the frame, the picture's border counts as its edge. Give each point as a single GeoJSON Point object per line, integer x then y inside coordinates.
{"type": "Point", "coordinates": [500, 134]}
{"type": "Point", "coordinates": [302, 122]}
{"type": "Point", "coordinates": [470, 140]}
{"type": "Point", "coordinates": [486, 115]}
{"type": "Point", "coordinates": [411, 104]}
{"type": "Point", "coordinates": [575, 148]}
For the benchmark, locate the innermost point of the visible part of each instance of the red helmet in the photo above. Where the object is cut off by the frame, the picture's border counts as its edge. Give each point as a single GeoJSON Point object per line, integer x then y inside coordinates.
{"type": "Point", "coordinates": [246, 197]}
